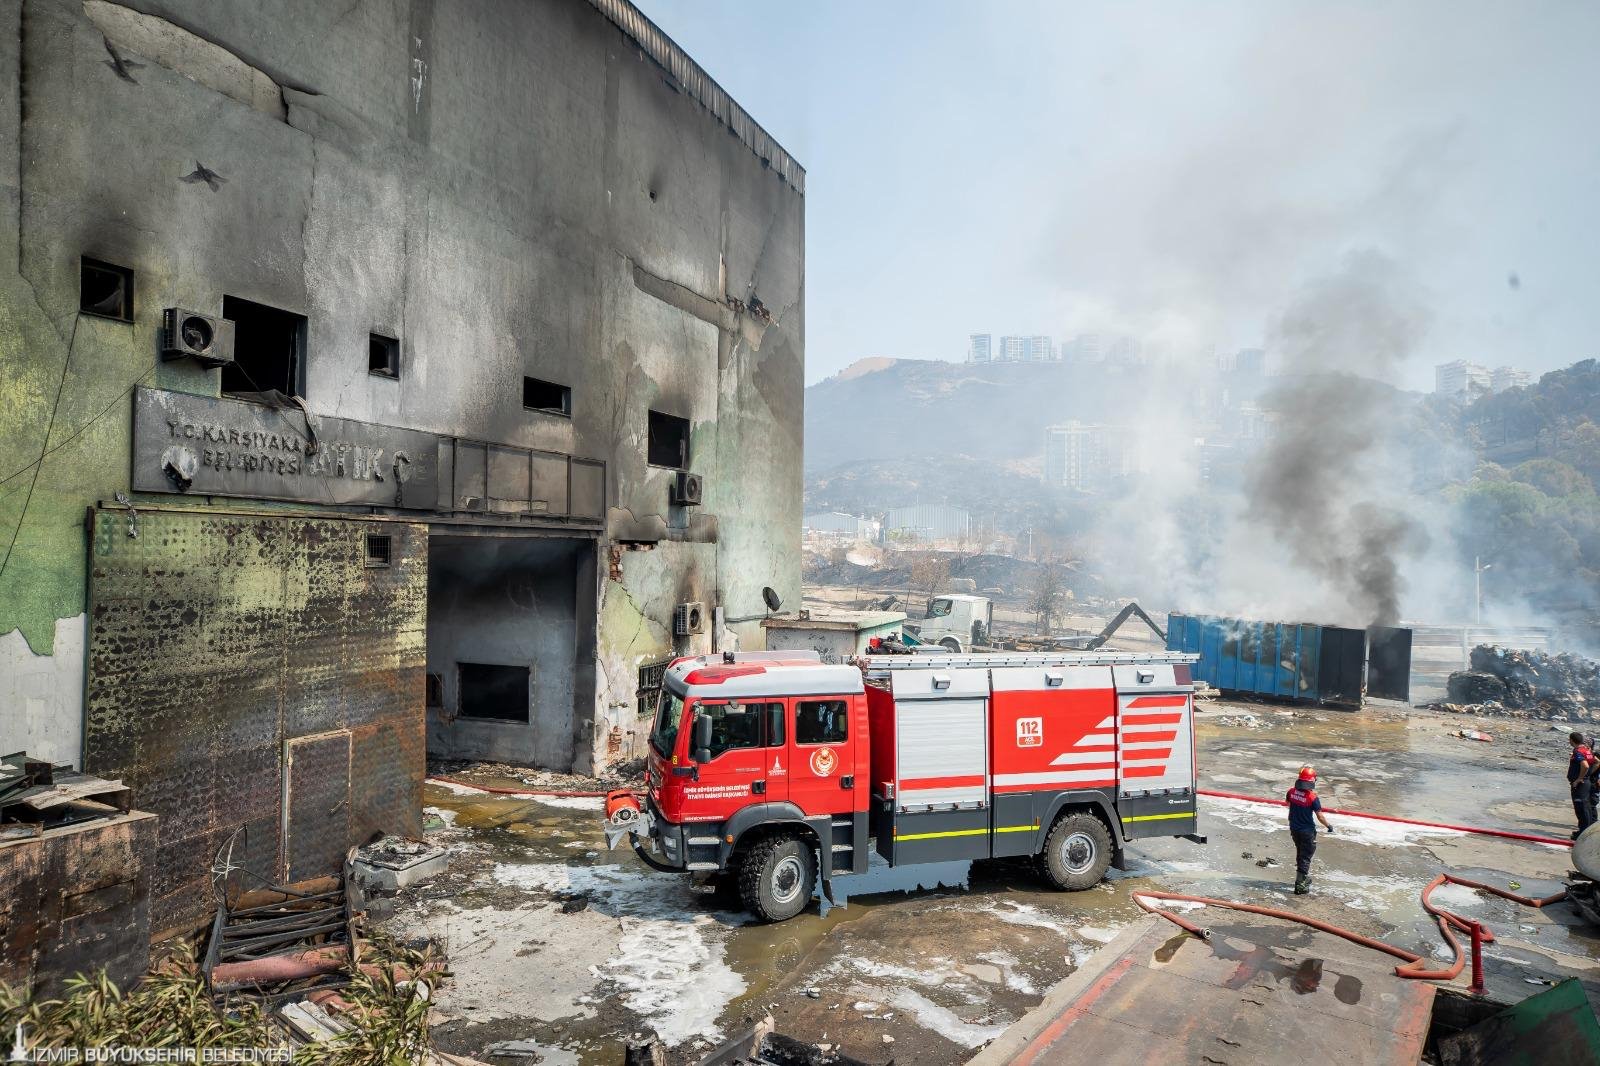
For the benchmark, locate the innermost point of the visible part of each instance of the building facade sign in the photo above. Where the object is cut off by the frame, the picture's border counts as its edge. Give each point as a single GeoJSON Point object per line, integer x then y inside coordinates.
{"type": "Point", "coordinates": [202, 446]}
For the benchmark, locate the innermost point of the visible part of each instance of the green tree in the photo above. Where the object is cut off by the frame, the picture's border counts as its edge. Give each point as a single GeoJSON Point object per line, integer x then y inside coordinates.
{"type": "Point", "coordinates": [1551, 477]}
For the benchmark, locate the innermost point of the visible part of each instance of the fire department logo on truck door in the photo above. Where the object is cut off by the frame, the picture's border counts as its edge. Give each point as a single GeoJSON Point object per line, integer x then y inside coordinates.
{"type": "Point", "coordinates": [824, 762]}
{"type": "Point", "coordinates": [1030, 732]}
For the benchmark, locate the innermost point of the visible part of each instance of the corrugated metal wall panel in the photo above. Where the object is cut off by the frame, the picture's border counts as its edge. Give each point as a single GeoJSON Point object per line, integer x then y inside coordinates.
{"type": "Point", "coordinates": [216, 637]}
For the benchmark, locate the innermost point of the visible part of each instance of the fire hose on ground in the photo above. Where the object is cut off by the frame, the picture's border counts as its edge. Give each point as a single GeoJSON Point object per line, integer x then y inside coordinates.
{"type": "Point", "coordinates": [1412, 965]}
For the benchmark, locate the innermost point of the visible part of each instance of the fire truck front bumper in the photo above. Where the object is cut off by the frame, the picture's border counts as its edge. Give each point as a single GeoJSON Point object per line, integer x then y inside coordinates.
{"type": "Point", "coordinates": [658, 842]}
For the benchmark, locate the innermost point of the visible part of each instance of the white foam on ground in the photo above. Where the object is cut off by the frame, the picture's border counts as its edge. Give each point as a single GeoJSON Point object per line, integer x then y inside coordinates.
{"type": "Point", "coordinates": [943, 1020]}
{"type": "Point", "coordinates": [1024, 914]}
{"type": "Point", "coordinates": [669, 966]}
{"type": "Point", "coordinates": [669, 974]}
{"type": "Point", "coordinates": [575, 803]}
{"type": "Point", "coordinates": [1014, 980]}
{"type": "Point", "coordinates": [1175, 904]}
{"type": "Point", "coordinates": [448, 817]}
{"type": "Point", "coordinates": [1098, 934]}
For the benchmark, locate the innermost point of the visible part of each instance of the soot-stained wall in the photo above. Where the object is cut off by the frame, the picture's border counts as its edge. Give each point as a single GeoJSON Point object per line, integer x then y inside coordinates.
{"type": "Point", "coordinates": [511, 188]}
{"type": "Point", "coordinates": [509, 602]}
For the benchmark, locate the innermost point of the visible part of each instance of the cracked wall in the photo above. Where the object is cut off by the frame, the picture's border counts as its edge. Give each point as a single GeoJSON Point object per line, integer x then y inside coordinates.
{"type": "Point", "coordinates": [517, 189]}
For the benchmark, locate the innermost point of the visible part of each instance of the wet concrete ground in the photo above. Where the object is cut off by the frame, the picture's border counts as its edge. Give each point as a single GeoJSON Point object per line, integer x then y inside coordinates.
{"type": "Point", "coordinates": [562, 951]}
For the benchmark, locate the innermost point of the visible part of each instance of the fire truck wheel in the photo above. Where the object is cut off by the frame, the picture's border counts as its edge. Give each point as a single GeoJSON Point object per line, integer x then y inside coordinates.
{"type": "Point", "coordinates": [777, 877]}
{"type": "Point", "coordinates": [1076, 853]}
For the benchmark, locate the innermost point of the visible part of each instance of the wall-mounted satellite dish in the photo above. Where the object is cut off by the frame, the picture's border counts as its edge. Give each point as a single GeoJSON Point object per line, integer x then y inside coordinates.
{"type": "Point", "coordinates": [770, 597]}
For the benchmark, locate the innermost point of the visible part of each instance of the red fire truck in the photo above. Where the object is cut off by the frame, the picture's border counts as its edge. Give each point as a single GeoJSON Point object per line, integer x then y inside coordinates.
{"type": "Point", "coordinates": [774, 769]}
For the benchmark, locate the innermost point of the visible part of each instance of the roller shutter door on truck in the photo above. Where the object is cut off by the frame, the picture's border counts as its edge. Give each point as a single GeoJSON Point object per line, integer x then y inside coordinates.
{"type": "Point", "coordinates": [941, 800]}
{"type": "Point", "coordinates": [1155, 751]}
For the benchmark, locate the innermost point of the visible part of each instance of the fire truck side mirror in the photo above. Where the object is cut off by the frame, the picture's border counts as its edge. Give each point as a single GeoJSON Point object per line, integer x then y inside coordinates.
{"type": "Point", "coordinates": [700, 737]}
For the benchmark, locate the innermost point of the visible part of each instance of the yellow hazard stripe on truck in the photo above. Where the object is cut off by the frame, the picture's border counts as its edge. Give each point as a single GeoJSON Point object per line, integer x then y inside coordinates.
{"type": "Point", "coordinates": [1158, 817]}
{"type": "Point", "coordinates": [964, 832]}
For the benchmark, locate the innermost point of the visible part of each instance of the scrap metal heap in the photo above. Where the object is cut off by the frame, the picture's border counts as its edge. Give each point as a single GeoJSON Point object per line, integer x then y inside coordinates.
{"type": "Point", "coordinates": [1532, 683]}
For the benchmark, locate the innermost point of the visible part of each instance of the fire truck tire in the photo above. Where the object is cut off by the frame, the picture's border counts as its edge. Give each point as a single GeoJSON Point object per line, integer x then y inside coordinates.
{"type": "Point", "coordinates": [1077, 852]}
{"type": "Point", "coordinates": [777, 877]}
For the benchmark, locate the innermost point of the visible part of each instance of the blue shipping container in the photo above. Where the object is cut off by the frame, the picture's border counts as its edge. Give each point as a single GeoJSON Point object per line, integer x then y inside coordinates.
{"type": "Point", "coordinates": [1282, 660]}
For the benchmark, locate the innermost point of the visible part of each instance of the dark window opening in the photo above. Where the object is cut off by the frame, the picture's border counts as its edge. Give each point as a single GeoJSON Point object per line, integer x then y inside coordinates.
{"type": "Point", "coordinates": [774, 734]}
{"type": "Point", "coordinates": [497, 692]}
{"type": "Point", "coordinates": [268, 350]}
{"type": "Point", "coordinates": [546, 396]}
{"type": "Point", "coordinates": [383, 355]}
{"type": "Point", "coordinates": [669, 441]}
{"type": "Point", "coordinates": [378, 549]}
{"type": "Point", "coordinates": [435, 690]}
{"type": "Point", "coordinates": [105, 290]}
{"type": "Point", "coordinates": [821, 722]}
{"type": "Point", "coordinates": [649, 690]}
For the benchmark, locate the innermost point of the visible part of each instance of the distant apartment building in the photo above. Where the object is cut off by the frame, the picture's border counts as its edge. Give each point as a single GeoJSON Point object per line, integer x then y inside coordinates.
{"type": "Point", "coordinates": [1508, 377]}
{"type": "Point", "coordinates": [1088, 457]}
{"type": "Point", "coordinates": [1037, 349]}
{"type": "Point", "coordinates": [1251, 362]}
{"type": "Point", "coordinates": [1084, 348]}
{"type": "Point", "coordinates": [980, 347]}
{"type": "Point", "coordinates": [1461, 379]}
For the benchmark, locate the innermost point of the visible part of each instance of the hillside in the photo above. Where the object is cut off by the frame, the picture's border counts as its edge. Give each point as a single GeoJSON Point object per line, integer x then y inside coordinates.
{"type": "Point", "coordinates": [903, 408]}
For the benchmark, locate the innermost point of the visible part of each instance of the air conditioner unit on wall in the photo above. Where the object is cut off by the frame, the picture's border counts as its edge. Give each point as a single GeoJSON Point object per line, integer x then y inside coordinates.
{"type": "Point", "coordinates": [206, 339]}
{"type": "Point", "coordinates": [689, 618]}
{"type": "Point", "coordinates": [687, 489]}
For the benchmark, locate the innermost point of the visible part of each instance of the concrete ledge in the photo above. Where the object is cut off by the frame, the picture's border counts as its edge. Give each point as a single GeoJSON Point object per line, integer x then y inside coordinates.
{"type": "Point", "coordinates": [1004, 1048]}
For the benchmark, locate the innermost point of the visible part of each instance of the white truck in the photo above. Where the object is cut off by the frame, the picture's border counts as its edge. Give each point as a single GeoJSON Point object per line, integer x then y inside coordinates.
{"type": "Point", "coordinates": [956, 621]}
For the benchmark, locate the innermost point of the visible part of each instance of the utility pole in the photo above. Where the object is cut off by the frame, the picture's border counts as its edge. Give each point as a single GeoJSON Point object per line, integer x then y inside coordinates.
{"type": "Point", "coordinates": [1478, 568]}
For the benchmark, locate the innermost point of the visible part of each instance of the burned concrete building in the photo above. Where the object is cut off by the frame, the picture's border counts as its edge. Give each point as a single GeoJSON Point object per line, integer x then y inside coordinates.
{"type": "Point", "coordinates": [375, 381]}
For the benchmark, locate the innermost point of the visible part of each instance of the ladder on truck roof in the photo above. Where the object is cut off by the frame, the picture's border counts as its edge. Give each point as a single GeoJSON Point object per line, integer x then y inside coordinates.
{"type": "Point", "coordinates": [979, 660]}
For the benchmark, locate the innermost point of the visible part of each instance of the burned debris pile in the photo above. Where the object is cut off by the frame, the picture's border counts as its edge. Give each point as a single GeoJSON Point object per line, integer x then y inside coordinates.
{"type": "Point", "coordinates": [1519, 683]}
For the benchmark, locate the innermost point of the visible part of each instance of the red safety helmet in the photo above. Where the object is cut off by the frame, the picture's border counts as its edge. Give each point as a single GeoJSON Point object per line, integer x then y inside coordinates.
{"type": "Point", "coordinates": [1307, 774]}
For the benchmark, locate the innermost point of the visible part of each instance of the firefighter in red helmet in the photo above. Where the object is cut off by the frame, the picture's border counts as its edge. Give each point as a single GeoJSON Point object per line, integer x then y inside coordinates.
{"type": "Point", "coordinates": [1303, 807]}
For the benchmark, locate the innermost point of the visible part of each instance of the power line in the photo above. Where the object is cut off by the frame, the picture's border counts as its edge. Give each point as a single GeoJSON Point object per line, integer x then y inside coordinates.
{"type": "Point", "coordinates": [75, 434]}
{"type": "Point", "coordinates": [66, 364]}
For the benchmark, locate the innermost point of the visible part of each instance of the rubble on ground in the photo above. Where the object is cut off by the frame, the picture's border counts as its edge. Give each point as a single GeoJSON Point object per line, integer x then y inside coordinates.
{"type": "Point", "coordinates": [1514, 683]}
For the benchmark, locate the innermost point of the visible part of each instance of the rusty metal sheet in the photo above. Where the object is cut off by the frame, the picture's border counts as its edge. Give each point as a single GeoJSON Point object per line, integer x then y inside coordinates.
{"type": "Point", "coordinates": [316, 804]}
{"type": "Point", "coordinates": [214, 638]}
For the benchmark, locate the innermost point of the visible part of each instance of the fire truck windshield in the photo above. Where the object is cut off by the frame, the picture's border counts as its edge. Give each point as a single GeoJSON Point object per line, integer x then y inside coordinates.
{"type": "Point", "coordinates": [669, 714]}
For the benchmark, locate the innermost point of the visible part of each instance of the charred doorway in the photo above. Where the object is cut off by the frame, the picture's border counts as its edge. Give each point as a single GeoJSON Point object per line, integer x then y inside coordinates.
{"type": "Point", "coordinates": [511, 653]}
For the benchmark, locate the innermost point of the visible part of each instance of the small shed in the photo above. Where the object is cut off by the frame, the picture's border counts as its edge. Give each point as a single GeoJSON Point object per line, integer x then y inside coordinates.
{"type": "Point", "coordinates": [836, 635]}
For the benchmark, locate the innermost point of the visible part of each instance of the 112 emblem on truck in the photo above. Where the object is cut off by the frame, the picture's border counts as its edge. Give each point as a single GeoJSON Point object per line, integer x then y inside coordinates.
{"type": "Point", "coordinates": [923, 758]}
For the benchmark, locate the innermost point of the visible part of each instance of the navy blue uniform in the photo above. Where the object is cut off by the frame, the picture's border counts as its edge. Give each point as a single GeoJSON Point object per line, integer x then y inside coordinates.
{"type": "Point", "coordinates": [1303, 805]}
{"type": "Point", "coordinates": [1582, 791]}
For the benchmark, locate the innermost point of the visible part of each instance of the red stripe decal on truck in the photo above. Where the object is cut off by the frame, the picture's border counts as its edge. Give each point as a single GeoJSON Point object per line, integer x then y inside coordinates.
{"type": "Point", "coordinates": [913, 783]}
{"type": "Point", "coordinates": [1146, 755]}
{"type": "Point", "coordinates": [1158, 701]}
{"type": "Point", "coordinates": [1156, 736]}
{"type": "Point", "coordinates": [1151, 719]}
{"type": "Point", "coordinates": [1144, 771]}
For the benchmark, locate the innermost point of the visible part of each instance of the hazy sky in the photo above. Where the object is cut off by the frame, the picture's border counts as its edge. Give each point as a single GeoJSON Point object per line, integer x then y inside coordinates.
{"type": "Point", "coordinates": [1177, 170]}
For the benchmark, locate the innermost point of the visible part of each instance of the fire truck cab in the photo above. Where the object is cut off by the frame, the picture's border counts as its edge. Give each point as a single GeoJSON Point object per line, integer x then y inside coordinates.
{"type": "Point", "coordinates": [773, 770]}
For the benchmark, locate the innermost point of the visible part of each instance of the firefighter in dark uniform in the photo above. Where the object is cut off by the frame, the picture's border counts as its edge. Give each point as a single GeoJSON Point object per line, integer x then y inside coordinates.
{"type": "Point", "coordinates": [1581, 781]}
{"type": "Point", "coordinates": [1304, 806]}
